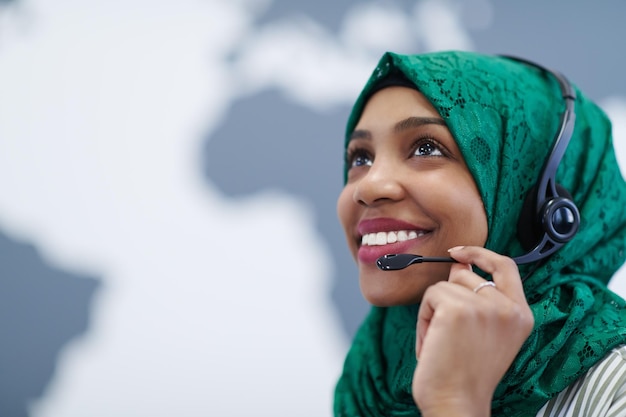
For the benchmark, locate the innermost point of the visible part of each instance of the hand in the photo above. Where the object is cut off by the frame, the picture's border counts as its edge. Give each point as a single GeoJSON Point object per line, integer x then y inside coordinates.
{"type": "Point", "coordinates": [467, 340]}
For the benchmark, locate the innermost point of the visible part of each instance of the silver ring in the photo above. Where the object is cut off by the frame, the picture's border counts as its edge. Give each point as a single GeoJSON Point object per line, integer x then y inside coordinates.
{"type": "Point", "coordinates": [485, 284]}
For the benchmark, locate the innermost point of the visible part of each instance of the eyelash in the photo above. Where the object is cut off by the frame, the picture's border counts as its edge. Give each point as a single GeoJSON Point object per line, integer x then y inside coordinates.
{"type": "Point", "coordinates": [428, 140]}
{"type": "Point", "coordinates": [353, 154]}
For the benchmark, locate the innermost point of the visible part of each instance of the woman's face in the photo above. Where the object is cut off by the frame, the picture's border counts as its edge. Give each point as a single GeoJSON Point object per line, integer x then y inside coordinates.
{"type": "Point", "coordinates": [408, 191]}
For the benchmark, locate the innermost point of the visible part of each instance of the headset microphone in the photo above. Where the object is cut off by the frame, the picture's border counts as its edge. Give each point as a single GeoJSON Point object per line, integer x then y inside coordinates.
{"type": "Point", "coordinates": [549, 217]}
{"type": "Point", "coordinates": [393, 262]}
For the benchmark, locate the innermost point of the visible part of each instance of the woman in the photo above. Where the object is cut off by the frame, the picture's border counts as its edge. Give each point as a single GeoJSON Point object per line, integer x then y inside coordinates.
{"type": "Point", "coordinates": [441, 151]}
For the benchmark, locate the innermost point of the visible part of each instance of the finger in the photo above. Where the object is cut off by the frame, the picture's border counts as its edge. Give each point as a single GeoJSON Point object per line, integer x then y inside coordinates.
{"type": "Point", "coordinates": [435, 296]}
{"type": "Point", "coordinates": [470, 281]}
{"type": "Point", "coordinates": [502, 269]}
{"type": "Point", "coordinates": [463, 274]}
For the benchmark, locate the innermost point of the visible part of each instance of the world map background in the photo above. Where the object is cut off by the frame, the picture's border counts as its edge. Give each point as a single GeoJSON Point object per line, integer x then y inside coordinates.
{"type": "Point", "coordinates": [168, 238]}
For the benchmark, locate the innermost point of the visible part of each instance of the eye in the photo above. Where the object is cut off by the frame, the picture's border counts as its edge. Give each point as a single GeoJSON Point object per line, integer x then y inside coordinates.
{"type": "Point", "coordinates": [358, 158]}
{"type": "Point", "coordinates": [428, 147]}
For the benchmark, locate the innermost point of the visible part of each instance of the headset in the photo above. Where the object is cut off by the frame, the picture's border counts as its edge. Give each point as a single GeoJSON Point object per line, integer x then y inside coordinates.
{"type": "Point", "coordinates": [549, 217]}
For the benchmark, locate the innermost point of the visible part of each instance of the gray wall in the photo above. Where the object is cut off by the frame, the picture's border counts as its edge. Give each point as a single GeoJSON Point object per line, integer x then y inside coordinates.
{"type": "Point", "coordinates": [257, 142]}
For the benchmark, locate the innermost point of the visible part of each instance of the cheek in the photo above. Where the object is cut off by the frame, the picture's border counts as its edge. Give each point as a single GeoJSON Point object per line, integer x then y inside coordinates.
{"type": "Point", "coordinates": [471, 211]}
{"type": "Point", "coordinates": [455, 201]}
{"type": "Point", "coordinates": [346, 212]}
{"type": "Point", "coordinates": [343, 206]}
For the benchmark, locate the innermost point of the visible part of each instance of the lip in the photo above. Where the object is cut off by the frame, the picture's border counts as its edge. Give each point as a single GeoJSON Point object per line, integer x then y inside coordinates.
{"type": "Point", "coordinates": [369, 254]}
{"type": "Point", "coordinates": [385, 225]}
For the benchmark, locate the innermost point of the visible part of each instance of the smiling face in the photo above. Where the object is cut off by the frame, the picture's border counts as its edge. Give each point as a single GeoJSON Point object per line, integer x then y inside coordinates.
{"type": "Point", "coordinates": [408, 191]}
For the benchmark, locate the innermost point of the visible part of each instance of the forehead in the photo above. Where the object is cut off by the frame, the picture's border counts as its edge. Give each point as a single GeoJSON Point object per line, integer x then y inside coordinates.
{"type": "Point", "coordinates": [395, 103]}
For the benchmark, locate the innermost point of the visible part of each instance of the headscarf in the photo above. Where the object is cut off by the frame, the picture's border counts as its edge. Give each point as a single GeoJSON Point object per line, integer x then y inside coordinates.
{"type": "Point", "coordinates": [504, 116]}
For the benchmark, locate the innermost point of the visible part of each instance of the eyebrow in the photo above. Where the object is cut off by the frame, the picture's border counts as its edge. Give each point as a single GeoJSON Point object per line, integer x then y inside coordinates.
{"type": "Point", "coordinates": [402, 125]}
{"type": "Point", "coordinates": [412, 122]}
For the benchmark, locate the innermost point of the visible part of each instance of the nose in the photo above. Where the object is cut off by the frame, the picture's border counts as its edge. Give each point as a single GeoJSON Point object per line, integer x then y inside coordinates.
{"type": "Point", "coordinates": [382, 183]}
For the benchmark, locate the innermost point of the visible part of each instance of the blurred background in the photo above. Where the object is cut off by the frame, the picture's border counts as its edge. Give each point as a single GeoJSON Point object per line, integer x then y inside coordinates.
{"type": "Point", "coordinates": [168, 176]}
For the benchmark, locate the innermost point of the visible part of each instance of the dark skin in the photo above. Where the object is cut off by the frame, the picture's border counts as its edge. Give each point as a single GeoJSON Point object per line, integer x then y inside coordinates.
{"type": "Point", "coordinates": [459, 379]}
{"type": "Point", "coordinates": [406, 174]}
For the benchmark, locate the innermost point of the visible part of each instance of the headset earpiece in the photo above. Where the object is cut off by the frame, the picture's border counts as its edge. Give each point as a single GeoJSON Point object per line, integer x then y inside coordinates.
{"type": "Point", "coordinates": [560, 219]}
{"type": "Point", "coordinates": [549, 217]}
{"type": "Point", "coordinates": [557, 220]}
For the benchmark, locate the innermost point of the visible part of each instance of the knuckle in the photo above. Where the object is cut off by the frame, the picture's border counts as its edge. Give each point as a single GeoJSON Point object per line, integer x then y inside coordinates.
{"type": "Point", "coordinates": [511, 313]}
{"type": "Point", "coordinates": [508, 263]}
{"type": "Point", "coordinates": [504, 263]}
{"type": "Point", "coordinates": [434, 289]}
{"type": "Point", "coordinates": [521, 317]}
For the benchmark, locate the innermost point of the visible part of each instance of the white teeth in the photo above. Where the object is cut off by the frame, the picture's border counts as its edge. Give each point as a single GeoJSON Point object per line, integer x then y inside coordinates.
{"type": "Point", "coordinates": [384, 238]}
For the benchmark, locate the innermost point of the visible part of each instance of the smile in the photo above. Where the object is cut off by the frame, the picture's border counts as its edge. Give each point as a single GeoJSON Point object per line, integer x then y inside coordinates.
{"type": "Point", "coordinates": [385, 238]}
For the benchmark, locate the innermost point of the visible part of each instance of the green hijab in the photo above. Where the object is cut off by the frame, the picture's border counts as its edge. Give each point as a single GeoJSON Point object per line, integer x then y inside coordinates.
{"type": "Point", "coordinates": [504, 116]}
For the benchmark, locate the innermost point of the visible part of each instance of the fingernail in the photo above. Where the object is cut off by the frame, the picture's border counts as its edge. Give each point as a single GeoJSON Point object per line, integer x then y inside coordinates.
{"type": "Point", "coordinates": [455, 248]}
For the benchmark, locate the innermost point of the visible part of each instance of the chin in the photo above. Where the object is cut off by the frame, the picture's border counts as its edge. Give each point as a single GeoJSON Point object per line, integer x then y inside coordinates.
{"type": "Point", "coordinates": [396, 288]}
{"type": "Point", "coordinates": [389, 303]}
{"type": "Point", "coordinates": [389, 297]}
